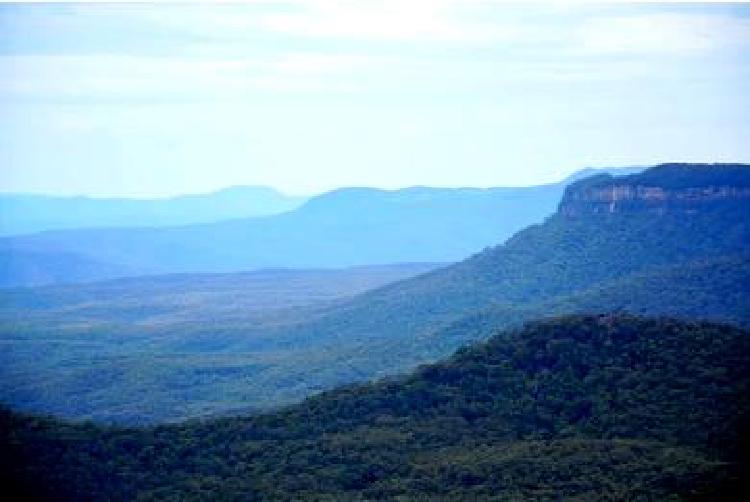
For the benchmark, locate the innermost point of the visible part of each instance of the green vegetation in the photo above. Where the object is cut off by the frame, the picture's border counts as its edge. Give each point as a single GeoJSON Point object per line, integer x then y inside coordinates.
{"type": "Point", "coordinates": [581, 407]}
{"type": "Point", "coordinates": [716, 289]}
{"type": "Point", "coordinates": [160, 347]}
{"type": "Point", "coordinates": [134, 358]}
{"type": "Point", "coordinates": [153, 300]}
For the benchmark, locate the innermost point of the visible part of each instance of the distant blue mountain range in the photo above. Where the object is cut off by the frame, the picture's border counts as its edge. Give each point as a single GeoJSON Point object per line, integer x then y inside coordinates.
{"type": "Point", "coordinates": [342, 228]}
{"type": "Point", "coordinates": [27, 213]}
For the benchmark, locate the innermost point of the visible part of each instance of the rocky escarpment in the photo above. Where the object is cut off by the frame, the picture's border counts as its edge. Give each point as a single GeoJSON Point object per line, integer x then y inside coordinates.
{"type": "Point", "coordinates": [665, 188]}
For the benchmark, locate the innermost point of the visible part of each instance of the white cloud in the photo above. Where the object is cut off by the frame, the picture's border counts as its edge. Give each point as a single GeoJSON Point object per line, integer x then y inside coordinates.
{"type": "Point", "coordinates": [219, 58]}
{"type": "Point", "coordinates": [416, 20]}
{"type": "Point", "coordinates": [390, 20]}
{"type": "Point", "coordinates": [660, 33]}
{"type": "Point", "coordinates": [94, 75]}
{"type": "Point", "coordinates": [123, 76]}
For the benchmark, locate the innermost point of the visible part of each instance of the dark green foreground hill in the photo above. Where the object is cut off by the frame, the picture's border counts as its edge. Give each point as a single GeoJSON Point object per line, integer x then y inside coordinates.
{"type": "Point", "coordinates": [581, 407]}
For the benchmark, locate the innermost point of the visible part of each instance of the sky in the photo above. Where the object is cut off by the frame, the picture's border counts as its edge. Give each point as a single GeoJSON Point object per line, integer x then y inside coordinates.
{"type": "Point", "coordinates": [151, 100]}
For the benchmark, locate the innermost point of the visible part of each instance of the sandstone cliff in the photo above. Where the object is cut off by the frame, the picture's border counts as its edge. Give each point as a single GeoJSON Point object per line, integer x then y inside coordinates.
{"type": "Point", "coordinates": [684, 188]}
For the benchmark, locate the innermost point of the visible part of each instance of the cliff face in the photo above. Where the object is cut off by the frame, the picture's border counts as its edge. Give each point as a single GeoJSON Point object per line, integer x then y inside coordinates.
{"type": "Point", "coordinates": [666, 188]}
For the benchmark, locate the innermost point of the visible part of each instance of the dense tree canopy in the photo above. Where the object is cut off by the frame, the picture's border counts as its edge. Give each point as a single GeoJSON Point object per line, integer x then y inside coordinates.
{"type": "Point", "coordinates": [594, 407]}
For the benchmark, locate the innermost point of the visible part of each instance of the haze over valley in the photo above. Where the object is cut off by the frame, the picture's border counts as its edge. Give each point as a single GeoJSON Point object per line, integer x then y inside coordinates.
{"type": "Point", "coordinates": [327, 250]}
{"type": "Point", "coordinates": [343, 228]}
{"type": "Point", "coordinates": [259, 340]}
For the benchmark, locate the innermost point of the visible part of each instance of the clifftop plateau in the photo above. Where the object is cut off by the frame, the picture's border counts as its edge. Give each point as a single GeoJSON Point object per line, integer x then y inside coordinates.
{"type": "Point", "coordinates": [665, 188]}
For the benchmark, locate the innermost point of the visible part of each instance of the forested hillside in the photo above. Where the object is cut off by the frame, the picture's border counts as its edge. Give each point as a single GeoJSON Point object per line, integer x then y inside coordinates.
{"type": "Point", "coordinates": [680, 261]}
{"type": "Point", "coordinates": [172, 298]}
{"type": "Point", "coordinates": [582, 407]}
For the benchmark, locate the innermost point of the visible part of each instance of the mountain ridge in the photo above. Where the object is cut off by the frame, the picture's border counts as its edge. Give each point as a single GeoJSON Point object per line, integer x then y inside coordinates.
{"type": "Point", "coordinates": [349, 227]}
{"type": "Point", "coordinates": [22, 213]}
{"type": "Point", "coordinates": [683, 264]}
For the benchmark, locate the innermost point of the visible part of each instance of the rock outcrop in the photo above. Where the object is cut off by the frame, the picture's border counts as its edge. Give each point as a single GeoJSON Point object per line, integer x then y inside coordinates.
{"type": "Point", "coordinates": [665, 188]}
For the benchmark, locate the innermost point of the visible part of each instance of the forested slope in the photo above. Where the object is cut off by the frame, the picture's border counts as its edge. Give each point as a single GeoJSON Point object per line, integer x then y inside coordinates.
{"type": "Point", "coordinates": [592, 407]}
{"type": "Point", "coordinates": [682, 253]}
{"type": "Point", "coordinates": [171, 298]}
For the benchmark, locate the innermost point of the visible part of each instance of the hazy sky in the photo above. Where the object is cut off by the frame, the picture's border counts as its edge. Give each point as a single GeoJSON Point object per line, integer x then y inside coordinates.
{"type": "Point", "coordinates": [148, 100]}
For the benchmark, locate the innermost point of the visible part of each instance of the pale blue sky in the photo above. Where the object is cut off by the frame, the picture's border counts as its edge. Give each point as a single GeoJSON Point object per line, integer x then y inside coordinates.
{"type": "Point", "coordinates": [149, 100]}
